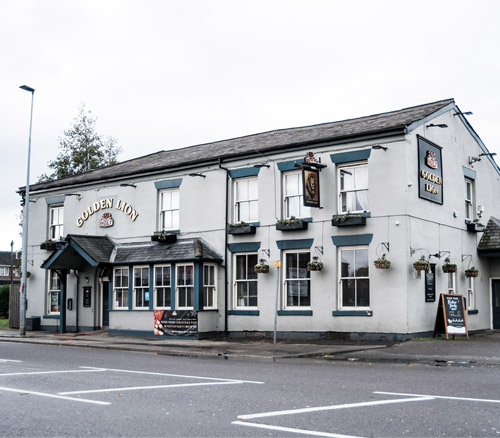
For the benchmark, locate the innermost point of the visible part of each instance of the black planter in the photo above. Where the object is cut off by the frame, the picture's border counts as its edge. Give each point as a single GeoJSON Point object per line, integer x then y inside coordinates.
{"type": "Point", "coordinates": [292, 226]}
{"type": "Point", "coordinates": [474, 228]}
{"type": "Point", "coordinates": [346, 221]}
{"type": "Point", "coordinates": [164, 238]}
{"type": "Point", "coordinates": [244, 229]}
{"type": "Point", "coordinates": [49, 246]}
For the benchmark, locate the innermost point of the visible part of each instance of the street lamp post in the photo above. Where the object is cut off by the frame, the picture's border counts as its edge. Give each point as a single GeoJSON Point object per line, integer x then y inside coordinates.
{"type": "Point", "coordinates": [24, 261]}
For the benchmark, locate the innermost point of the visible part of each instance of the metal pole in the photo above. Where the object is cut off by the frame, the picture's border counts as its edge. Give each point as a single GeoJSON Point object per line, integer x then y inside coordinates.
{"type": "Point", "coordinates": [24, 261]}
{"type": "Point", "coordinates": [276, 308]}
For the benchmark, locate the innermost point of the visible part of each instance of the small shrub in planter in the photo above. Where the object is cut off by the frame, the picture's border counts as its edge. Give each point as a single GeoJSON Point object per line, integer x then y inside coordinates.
{"type": "Point", "coordinates": [262, 267]}
{"type": "Point", "coordinates": [314, 265]}
{"type": "Point", "coordinates": [48, 245]}
{"type": "Point", "coordinates": [471, 272]}
{"type": "Point", "coordinates": [382, 263]}
{"type": "Point", "coordinates": [449, 267]}
{"type": "Point", "coordinates": [421, 265]}
{"type": "Point", "coordinates": [348, 219]}
{"type": "Point", "coordinates": [241, 228]}
{"type": "Point", "coordinates": [291, 224]}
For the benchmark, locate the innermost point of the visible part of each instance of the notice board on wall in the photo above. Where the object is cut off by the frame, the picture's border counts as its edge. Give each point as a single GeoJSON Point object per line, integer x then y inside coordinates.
{"type": "Point", "coordinates": [450, 316]}
{"type": "Point", "coordinates": [175, 323]}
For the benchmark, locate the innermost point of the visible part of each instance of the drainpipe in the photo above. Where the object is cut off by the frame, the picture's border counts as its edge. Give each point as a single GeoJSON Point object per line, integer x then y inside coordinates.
{"type": "Point", "coordinates": [76, 297]}
{"type": "Point", "coordinates": [226, 291]}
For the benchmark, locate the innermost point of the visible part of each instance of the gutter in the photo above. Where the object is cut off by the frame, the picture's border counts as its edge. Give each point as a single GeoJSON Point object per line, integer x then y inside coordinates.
{"type": "Point", "coordinates": [226, 289]}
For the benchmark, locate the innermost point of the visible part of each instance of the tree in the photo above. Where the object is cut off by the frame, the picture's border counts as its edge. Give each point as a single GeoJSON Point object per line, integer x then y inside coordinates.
{"type": "Point", "coordinates": [82, 149]}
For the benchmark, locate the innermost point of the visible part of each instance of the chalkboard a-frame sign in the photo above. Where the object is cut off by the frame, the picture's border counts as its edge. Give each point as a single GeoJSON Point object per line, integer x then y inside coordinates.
{"type": "Point", "coordinates": [450, 316]}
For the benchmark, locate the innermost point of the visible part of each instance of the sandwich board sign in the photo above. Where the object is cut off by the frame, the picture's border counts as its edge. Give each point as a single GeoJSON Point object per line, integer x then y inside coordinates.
{"type": "Point", "coordinates": [450, 316]}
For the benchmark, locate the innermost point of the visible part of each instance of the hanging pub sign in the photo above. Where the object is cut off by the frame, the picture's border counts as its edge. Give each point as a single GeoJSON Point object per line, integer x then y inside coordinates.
{"type": "Point", "coordinates": [450, 316]}
{"type": "Point", "coordinates": [175, 323]}
{"type": "Point", "coordinates": [310, 180]}
{"type": "Point", "coordinates": [430, 171]}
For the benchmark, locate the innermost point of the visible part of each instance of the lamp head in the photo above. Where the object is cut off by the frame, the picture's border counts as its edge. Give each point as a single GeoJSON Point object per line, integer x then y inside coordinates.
{"type": "Point", "coordinates": [26, 88]}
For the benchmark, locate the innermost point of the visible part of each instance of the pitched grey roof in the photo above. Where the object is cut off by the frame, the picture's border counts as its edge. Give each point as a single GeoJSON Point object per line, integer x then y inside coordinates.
{"type": "Point", "coordinates": [5, 258]}
{"type": "Point", "coordinates": [150, 252]}
{"type": "Point", "coordinates": [271, 141]}
{"type": "Point", "coordinates": [77, 251]}
{"type": "Point", "coordinates": [489, 245]}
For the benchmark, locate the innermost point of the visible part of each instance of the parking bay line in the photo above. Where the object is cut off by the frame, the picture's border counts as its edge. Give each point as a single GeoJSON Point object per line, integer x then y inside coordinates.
{"type": "Point", "coordinates": [291, 430]}
{"type": "Point", "coordinates": [175, 375]}
{"type": "Point", "coordinates": [10, 360]}
{"type": "Point", "coordinates": [42, 394]}
{"type": "Point", "coordinates": [33, 373]}
{"type": "Point", "coordinates": [135, 388]}
{"type": "Point", "coordinates": [440, 397]}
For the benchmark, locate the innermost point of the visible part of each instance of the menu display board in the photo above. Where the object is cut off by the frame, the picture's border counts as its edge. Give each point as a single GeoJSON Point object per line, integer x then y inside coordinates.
{"type": "Point", "coordinates": [450, 316]}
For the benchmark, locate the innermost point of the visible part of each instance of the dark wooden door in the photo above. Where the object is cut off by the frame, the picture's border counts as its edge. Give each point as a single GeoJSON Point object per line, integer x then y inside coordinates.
{"type": "Point", "coordinates": [495, 287]}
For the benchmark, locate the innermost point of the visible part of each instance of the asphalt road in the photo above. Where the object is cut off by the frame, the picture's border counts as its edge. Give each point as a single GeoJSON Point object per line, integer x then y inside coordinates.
{"type": "Point", "coordinates": [61, 391]}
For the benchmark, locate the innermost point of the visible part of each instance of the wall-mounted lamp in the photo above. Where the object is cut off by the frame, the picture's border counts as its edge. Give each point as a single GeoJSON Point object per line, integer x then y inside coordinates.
{"type": "Point", "coordinates": [261, 165]}
{"type": "Point", "coordinates": [480, 210]}
{"type": "Point", "coordinates": [379, 146]}
{"type": "Point", "coordinates": [463, 113]}
{"type": "Point", "coordinates": [87, 279]}
{"type": "Point", "coordinates": [489, 154]}
{"type": "Point", "coordinates": [128, 185]}
{"type": "Point", "coordinates": [439, 254]}
{"type": "Point", "coordinates": [197, 174]}
{"type": "Point", "coordinates": [473, 160]}
{"type": "Point", "coordinates": [439, 125]}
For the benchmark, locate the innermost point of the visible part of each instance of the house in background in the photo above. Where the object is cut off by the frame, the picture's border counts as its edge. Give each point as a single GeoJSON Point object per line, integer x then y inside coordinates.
{"type": "Point", "coordinates": [7, 261]}
{"type": "Point", "coordinates": [168, 243]}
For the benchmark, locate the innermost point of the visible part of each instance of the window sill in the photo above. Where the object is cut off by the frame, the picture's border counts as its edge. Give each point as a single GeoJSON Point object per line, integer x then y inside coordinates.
{"type": "Point", "coordinates": [244, 312]}
{"type": "Point", "coordinates": [295, 312]}
{"type": "Point", "coordinates": [352, 313]}
{"type": "Point", "coordinates": [472, 312]}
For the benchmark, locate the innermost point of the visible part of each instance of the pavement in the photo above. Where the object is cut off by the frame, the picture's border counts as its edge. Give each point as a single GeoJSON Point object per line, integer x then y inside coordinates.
{"type": "Point", "coordinates": [481, 349]}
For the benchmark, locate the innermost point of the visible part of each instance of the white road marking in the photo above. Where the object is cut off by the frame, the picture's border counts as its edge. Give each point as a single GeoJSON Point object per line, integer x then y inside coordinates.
{"type": "Point", "coordinates": [292, 430]}
{"type": "Point", "coordinates": [42, 394]}
{"type": "Point", "coordinates": [174, 375]}
{"type": "Point", "coordinates": [333, 407]}
{"type": "Point", "coordinates": [135, 388]}
{"type": "Point", "coordinates": [440, 397]}
{"type": "Point", "coordinates": [33, 373]}
{"type": "Point", "coordinates": [10, 360]}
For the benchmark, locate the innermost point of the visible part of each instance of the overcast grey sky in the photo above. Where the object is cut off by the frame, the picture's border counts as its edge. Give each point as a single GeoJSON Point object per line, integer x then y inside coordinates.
{"type": "Point", "coordinates": [166, 74]}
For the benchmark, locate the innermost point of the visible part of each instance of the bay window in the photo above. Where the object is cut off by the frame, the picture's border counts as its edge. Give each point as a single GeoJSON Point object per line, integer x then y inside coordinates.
{"type": "Point", "coordinates": [184, 286]}
{"type": "Point", "coordinates": [120, 288]}
{"type": "Point", "coordinates": [141, 287]}
{"type": "Point", "coordinates": [162, 287]}
{"type": "Point", "coordinates": [209, 286]}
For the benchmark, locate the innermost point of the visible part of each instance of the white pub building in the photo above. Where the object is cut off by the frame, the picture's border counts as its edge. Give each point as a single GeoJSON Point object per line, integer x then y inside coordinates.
{"type": "Point", "coordinates": [355, 226]}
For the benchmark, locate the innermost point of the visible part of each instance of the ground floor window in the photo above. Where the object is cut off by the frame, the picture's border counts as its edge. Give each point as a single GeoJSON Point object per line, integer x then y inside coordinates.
{"type": "Point", "coordinates": [163, 284]}
{"type": "Point", "coordinates": [141, 287]}
{"type": "Point", "coordinates": [120, 288]}
{"type": "Point", "coordinates": [209, 286]}
{"type": "Point", "coordinates": [245, 280]}
{"type": "Point", "coordinates": [471, 298]}
{"type": "Point", "coordinates": [297, 279]}
{"type": "Point", "coordinates": [185, 286]}
{"type": "Point", "coordinates": [354, 285]}
{"type": "Point", "coordinates": [54, 292]}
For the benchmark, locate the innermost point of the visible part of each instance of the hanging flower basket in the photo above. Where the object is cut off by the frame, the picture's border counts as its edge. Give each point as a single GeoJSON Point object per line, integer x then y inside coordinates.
{"type": "Point", "coordinates": [315, 265]}
{"type": "Point", "coordinates": [449, 267]}
{"type": "Point", "coordinates": [382, 263]}
{"type": "Point", "coordinates": [421, 265]}
{"type": "Point", "coordinates": [471, 272]}
{"type": "Point", "coordinates": [262, 267]}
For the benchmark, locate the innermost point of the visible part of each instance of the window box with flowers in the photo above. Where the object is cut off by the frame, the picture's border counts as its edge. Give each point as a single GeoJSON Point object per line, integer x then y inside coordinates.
{"type": "Point", "coordinates": [421, 265]}
{"type": "Point", "coordinates": [241, 228]}
{"type": "Point", "coordinates": [475, 226]}
{"type": "Point", "coordinates": [348, 220]}
{"type": "Point", "coordinates": [262, 267]}
{"type": "Point", "coordinates": [163, 237]}
{"type": "Point", "coordinates": [382, 263]}
{"type": "Point", "coordinates": [472, 272]}
{"type": "Point", "coordinates": [291, 224]}
{"type": "Point", "coordinates": [315, 265]}
{"type": "Point", "coordinates": [49, 245]}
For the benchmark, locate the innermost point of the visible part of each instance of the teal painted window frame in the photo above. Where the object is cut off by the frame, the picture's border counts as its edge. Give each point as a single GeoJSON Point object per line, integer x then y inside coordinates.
{"type": "Point", "coordinates": [244, 172]}
{"type": "Point", "coordinates": [350, 157]}
{"type": "Point", "coordinates": [168, 184]}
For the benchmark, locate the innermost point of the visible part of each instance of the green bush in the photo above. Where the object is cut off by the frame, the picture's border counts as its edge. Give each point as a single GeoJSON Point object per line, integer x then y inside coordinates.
{"type": "Point", "coordinates": [4, 301]}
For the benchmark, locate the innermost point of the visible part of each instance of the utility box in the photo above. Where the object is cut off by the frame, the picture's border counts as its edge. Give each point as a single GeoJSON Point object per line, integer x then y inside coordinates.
{"type": "Point", "coordinates": [33, 324]}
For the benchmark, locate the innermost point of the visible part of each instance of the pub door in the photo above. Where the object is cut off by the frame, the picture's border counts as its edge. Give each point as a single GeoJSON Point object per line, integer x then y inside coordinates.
{"type": "Point", "coordinates": [495, 300]}
{"type": "Point", "coordinates": [105, 303]}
